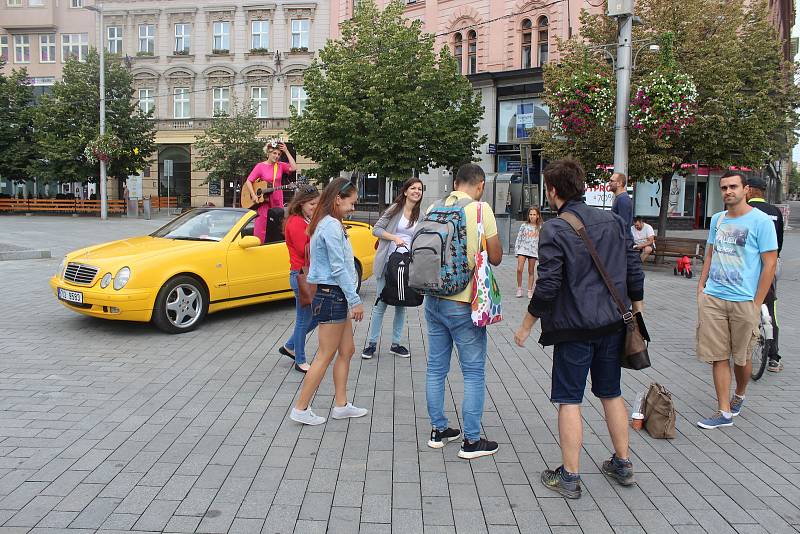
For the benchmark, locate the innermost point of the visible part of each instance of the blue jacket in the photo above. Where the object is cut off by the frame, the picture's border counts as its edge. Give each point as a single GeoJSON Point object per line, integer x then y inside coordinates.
{"type": "Point", "coordinates": [332, 260]}
{"type": "Point", "coordinates": [571, 298]}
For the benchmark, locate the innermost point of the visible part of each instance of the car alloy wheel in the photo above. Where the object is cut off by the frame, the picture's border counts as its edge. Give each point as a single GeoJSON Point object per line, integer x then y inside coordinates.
{"type": "Point", "coordinates": [184, 306]}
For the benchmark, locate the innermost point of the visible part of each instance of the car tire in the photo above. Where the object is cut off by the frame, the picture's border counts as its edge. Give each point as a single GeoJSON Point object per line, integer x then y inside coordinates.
{"type": "Point", "coordinates": [181, 305]}
{"type": "Point", "coordinates": [359, 274]}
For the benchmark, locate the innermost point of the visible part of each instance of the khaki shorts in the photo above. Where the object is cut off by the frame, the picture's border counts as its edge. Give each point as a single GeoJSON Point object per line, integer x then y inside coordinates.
{"type": "Point", "coordinates": [726, 329]}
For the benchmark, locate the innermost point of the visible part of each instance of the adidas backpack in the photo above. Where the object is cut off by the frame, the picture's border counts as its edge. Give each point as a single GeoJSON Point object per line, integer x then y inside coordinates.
{"type": "Point", "coordinates": [396, 292]}
{"type": "Point", "coordinates": [439, 264]}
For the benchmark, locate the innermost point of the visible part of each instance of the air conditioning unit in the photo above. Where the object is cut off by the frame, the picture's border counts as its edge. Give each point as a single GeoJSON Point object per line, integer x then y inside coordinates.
{"type": "Point", "coordinates": [619, 8]}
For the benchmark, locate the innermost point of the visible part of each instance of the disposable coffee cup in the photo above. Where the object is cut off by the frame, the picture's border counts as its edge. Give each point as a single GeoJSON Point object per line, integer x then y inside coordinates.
{"type": "Point", "coordinates": [637, 421]}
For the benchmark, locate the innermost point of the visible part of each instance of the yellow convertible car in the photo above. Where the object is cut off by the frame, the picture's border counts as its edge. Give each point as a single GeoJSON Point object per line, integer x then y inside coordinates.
{"type": "Point", "coordinates": [201, 262]}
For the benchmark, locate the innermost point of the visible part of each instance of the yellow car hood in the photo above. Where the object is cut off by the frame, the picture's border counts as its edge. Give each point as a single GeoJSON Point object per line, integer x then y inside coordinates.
{"type": "Point", "coordinates": [141, 247]}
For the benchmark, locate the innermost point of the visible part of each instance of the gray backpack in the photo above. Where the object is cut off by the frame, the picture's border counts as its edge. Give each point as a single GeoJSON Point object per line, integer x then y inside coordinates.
{"type": "Point", "coordinates": [439, 261]}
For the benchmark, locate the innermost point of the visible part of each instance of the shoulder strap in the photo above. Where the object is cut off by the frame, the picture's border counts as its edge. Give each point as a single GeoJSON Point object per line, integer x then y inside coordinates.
{"type": "Point", "coordinates": [274, 173]}
{"type": "Point", "coordinates": [479, 227]}
{"type": "Point", "coordinates": [580, 229]}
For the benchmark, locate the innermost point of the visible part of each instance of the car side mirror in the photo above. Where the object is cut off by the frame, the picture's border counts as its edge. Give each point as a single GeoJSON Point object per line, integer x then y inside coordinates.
{"type": "Point", "coordinates": [249, 241]}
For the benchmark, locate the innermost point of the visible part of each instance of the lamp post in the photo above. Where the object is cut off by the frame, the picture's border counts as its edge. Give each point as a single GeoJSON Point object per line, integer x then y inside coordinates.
{"type": "Point", "coordinates": [103, 193]}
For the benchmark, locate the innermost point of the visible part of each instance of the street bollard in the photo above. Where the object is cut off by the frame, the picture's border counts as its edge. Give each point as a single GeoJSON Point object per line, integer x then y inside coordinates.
{"type": "Point", "coordinates": [146, 207]}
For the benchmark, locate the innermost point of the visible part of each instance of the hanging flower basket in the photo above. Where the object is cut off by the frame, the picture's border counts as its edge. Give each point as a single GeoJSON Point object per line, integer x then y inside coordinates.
{"type": "Point", "coordinates": [664, 105]}
{"type": "Point", "coordinates": [103, 148]}
{"type": "Point", "coordinates": [583, 102]}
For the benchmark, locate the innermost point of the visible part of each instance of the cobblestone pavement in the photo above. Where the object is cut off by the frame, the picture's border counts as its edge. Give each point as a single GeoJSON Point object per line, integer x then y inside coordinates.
{"type": "Point", "coordinates": [117, 427]}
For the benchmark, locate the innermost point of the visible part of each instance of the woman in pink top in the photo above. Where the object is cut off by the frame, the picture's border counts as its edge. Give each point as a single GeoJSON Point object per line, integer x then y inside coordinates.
{"type": "Point", "coordinates": [271, 171]}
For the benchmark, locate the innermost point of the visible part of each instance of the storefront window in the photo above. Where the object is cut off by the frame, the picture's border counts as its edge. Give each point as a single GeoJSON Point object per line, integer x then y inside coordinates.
{"type": "Point", "coordinates": [517, 116]}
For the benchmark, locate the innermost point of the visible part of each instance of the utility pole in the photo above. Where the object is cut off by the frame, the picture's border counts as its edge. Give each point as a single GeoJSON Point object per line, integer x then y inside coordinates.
{"type": "Point", "coordinates": [103, 193]}
{"type": "Point", "coordinates": [622, 10]}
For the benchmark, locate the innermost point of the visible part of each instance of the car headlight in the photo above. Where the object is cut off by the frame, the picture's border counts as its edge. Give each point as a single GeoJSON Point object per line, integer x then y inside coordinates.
{"type": "Point", "coordinates": [105, 280]}
{"type": "Point", "coordinates": [60, 271]}
{"type": "Point", "coordinates": [121, 278]}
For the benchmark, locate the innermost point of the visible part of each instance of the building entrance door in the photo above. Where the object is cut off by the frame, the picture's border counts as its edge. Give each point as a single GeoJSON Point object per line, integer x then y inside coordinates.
{"type": "Point", "coordinates": [175, 174]}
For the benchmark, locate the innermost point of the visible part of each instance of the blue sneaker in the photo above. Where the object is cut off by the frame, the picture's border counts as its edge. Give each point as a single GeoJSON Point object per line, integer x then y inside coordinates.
{"type": "Point", "coordinates": [716, 421]}
{"type": "Point", "coordinates": [369, 351]}
{"type": "Point", "coordinates": [736, 405]}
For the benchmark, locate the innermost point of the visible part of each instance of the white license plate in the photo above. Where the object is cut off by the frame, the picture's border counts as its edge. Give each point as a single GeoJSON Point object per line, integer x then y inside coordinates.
{"type": "Point", "coordinates": [71, 296]}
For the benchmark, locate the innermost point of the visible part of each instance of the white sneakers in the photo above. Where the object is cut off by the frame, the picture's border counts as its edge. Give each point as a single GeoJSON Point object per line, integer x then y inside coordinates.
{"type": "Point", "coordinates": [307, 417]}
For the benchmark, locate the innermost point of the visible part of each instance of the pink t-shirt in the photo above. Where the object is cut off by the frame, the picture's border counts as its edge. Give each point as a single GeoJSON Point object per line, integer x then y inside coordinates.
{"type": "Point", "coordinates": [267, 172]}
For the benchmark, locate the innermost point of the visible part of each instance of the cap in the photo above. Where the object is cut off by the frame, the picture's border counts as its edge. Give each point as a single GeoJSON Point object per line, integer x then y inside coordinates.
{"type": "Point", "coordinates": [758, 183]}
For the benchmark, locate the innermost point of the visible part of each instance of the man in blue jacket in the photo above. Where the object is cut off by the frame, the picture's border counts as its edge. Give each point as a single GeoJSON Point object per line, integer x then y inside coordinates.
{"type": "Point", "coordinates": [582, 322]}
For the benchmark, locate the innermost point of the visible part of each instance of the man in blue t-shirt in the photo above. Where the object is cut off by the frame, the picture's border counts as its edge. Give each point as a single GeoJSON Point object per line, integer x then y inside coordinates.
{"type": "Point", "coordinates": [622, 204]}
{"type": "Point", "coordinates": [739, 267]}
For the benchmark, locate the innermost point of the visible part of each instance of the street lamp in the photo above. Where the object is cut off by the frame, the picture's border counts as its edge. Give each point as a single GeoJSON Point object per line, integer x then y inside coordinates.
{"type": "Point", "coordinates": [103, 193]}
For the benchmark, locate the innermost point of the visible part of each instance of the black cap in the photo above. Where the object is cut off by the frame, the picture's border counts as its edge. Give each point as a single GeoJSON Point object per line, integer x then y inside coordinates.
{"type": "Point", "coordinates": [757, 182]}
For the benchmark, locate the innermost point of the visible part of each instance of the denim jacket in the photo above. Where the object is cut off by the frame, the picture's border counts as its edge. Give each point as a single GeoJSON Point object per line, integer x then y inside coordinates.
{"type": "Point", "coordinates": [332, 259]}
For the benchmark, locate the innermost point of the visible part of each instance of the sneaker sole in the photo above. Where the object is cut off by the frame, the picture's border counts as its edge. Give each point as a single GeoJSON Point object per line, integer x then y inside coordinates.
{"type": "Point", "coordinates": [569, 494]}
{"type": "Point", "coordinates": [367, 356]}
{"type": "Point", "coordinates": [775, 370]}
{"type": "Point", "coordinates": [476, 454]}
{"type": "Point", "coordinates": [348, 416]}
{"type": "Point", "coordinates": [621, 481]}
{"type": "Point", "coordinates": [710, 427]}
{"type": "Point", "coordinates": [440, 444]}
{"type": "Point", "coordinates": [401, 355]}
{"type": "Point", "coordinates": [306, 422]}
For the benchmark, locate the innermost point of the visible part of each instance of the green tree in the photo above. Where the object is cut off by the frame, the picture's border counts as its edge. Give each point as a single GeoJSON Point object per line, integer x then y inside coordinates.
{"type": "Point", "coordinates": [381, 100]}
{"type": "Point", "coordinates": [230, 146]}
{"type": "Point", "coordinates": [16, 147]}
{"type": "Point", "coordinates": [745, 111]}
{"type": "Point", "coordinates": [68, 119]}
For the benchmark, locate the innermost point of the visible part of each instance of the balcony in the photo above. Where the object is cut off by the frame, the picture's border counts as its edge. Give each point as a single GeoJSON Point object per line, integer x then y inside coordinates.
{"type": "Point", "coordinates": [27, 18]}
{"type": "Point", "coordinates": [201, 124]}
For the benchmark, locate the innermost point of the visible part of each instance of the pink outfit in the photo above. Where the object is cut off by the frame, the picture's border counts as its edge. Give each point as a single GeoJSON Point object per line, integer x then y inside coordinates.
{"type": "Point", "coordinates": [265, 171]}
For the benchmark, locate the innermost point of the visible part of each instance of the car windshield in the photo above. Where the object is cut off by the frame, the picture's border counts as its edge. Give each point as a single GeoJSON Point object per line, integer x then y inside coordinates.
{"type": "Point", "coordinates": [200, 225]}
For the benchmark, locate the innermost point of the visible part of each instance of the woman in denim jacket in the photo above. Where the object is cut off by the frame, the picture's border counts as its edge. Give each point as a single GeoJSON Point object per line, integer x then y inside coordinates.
{"type": "Point", "coordinates": [336, 303]}
{"type": "Point", "coordinates": [395, 229]}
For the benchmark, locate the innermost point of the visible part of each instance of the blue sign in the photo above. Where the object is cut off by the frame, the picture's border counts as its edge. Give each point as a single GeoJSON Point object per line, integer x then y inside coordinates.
{"type": "Point", "coordinates": [492, 149]}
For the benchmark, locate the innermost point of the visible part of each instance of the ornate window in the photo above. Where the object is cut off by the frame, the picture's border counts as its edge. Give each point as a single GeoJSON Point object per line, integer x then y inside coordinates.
{"type": "Point", "coordinates": [300, 29]}
{"type": "Point", "coordinates": [527, 43]}
{"type": "Point", "coordinates": [180, 98]}
{"type": "Point", "coordinates": [147, 38]}
{"type": "Point", "coordinates": [458, 52]}
{"type": "Point", "coordinates": [298, 98]}
{"type": "Point", "coordinates": [542, 27]}
{"type": "Point", "coordinates": [114, 39]}
{"type": "Point", "coordinates": [147, 100]}
{"type": "Point", "coordinates": [183, 37]}
{"type": "Point", "coordinates": [221, 100]}
{"type": "Point", "coordinates": [260, 34]}
{"type": "Point", "coordinates": [259, 97]}
{"type": "Point", "coordinates": [222, 36]}
{"type": "Point", "coordinates": [472, 52]}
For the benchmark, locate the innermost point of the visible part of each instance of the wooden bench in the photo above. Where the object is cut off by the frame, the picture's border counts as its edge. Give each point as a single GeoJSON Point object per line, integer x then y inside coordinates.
{"type": "Point", "coordinates": [678, 247]}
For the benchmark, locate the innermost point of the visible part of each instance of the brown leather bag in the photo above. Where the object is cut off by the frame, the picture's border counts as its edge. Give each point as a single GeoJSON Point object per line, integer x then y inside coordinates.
{"type": "Point", "coordinates": [634, 353]}
{"type": "Point", "coordinates": [305, 289]}
{"type": "Point", "coordinates": [659, 412]}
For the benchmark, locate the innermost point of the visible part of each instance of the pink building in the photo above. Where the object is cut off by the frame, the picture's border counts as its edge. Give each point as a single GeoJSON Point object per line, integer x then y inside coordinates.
{"type": "Point", "coordinates": [501, 46]}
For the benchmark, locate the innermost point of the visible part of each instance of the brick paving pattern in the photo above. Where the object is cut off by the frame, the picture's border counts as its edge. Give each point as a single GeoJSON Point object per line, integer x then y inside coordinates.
{"type": "Point", "coordinates": [116, 427]}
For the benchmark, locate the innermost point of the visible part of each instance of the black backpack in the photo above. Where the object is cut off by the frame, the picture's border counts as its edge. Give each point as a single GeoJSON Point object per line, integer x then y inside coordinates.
{"type": "Point", "coordinates": [397, 292]}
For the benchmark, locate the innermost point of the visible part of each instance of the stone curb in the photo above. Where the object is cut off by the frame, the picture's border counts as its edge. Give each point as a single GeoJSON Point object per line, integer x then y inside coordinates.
{"type": "Point", "coordinates": [24, 255]}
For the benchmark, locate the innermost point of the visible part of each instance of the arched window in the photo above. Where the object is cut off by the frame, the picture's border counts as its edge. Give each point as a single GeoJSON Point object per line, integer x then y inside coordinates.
{"type": "Point", "coordinates": [458, 52]}
{"type": "Point", "coordinates": [541, 39]}
{"type": "Point", "coordinates": [472, 52]}
{"type": "Point", "coordinates": [527, 43]}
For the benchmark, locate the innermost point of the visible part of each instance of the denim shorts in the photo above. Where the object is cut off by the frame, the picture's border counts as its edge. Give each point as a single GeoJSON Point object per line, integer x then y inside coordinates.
{"type": "Point", "coordinates": [572, 362]}
{"type": "Point", "coordinates": [329, 305]}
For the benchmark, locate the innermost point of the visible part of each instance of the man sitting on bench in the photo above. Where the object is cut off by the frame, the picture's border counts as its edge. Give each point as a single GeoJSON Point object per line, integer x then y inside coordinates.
{"type": "Point", "coordinates": [644, 238]}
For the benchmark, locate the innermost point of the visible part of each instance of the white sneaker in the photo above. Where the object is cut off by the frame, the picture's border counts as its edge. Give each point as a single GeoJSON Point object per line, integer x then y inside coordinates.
{"type": "Point", "coordinates": [519, 292]}
{"type": "Point", "coordinates": [307, 417]}
{"type": "Point", "coordinates": [348, 410]}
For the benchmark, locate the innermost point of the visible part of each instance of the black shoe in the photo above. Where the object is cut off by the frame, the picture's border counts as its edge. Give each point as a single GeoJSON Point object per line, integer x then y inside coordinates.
{"type": "Point", "coordinates": [556, 481]}
{"type": "Point", "coordinates": [298, 368]}
{"type": "Point", "coordinates": [369, 351]}
{"type": "Point", "coordinates": [482, 447]}
{"type": "Point", "coordinates": [440, 438]}
{"type": "Point", "coordinates": [399, 350]}
{"type": "Point", "coordinates": [619, 470]}
{"type": "Point", "coordinates": [283, 350]}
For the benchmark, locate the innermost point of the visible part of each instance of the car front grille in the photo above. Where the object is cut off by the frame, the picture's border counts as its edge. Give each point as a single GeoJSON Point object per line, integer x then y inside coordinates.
{"type": "Point", "coordinates": [80, 274]}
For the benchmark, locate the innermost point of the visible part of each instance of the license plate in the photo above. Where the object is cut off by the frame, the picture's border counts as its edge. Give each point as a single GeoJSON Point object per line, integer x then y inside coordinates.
{"type": "Point", "coordinates": [70, 296]}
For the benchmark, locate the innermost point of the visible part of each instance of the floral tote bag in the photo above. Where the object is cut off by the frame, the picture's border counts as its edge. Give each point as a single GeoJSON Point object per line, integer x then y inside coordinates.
{"type": "Point", "coordinates": [486, 299]}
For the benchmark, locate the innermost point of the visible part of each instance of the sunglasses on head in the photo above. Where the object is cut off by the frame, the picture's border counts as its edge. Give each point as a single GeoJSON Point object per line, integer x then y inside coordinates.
{"type": "Point", "coordinates": [345, 187]}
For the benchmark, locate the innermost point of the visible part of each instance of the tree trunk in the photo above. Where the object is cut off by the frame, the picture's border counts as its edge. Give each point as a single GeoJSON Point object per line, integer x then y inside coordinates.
{"type": "Point", "coordinates": [666, 183]}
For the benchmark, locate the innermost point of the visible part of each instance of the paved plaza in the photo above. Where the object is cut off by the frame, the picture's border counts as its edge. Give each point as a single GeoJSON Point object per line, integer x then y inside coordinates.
{"type": "Point", "coordinates": [117, 427]}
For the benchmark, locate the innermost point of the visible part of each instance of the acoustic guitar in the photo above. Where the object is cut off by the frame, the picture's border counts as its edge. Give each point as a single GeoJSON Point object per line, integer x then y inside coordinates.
{"type": "Point", "coordinates": [263, 190]}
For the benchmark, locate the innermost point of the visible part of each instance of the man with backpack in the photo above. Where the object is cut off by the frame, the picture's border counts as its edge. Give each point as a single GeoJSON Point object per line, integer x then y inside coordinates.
{"type": "Point", "coordinates": [582, 321]}
{"type": "Point", "coordinates": [443, 259]}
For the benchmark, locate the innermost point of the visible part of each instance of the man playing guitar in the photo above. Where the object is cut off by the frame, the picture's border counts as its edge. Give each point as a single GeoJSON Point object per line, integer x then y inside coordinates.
{"type": "Point", "coordinates": [270, 171]}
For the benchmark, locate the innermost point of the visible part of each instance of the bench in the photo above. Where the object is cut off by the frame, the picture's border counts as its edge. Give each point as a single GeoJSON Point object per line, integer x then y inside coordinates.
{"type": "Point", "coordinates": [678, 247]}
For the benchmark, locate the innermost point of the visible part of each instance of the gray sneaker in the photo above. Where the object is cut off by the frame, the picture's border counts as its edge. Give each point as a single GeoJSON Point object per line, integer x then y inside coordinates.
{"type": "Point", "coordinates": [307, 417]}
{"type": "Point", "coordinates": [348, 410]}
{"type": "Point", "coordinates": [619, 470]}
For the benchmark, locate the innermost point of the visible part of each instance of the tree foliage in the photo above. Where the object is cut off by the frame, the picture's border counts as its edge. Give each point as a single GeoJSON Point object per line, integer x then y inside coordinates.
{"type": "Point", "coordinates": [381, 100]}
{"type": "Point", "coordinates": [68, 119]}
{"type": "Point", "coordinates": [16, 148]}
{"type": "Point", "coordinates": [745, 110]}
{"type": "Point", "coordinates": [230, 146]}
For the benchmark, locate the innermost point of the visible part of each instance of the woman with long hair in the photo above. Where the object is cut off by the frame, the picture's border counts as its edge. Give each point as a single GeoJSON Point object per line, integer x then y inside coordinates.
{"type": "Point", "coordinates": [527, 248]}
{"type": "Point", "coordinates": [300, 210]}
{"type": "Point", "coordinates": [271, 171]}
{"type": "Point", "coordinates": [395, 229]}
{"type": "Point", "coordinates": [336, 303]}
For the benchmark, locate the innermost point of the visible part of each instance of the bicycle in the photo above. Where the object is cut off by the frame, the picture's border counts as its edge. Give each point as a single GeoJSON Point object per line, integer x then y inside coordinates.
{"type": "Point", "coordinates": [760, 354]}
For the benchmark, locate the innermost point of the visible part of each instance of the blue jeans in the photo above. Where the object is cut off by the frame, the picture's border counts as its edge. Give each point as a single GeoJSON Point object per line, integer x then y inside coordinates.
{"type": "Point", "coordinates": [303, 324]}
{"type": "Point", "coordinates": [449, 323]}
{"type": "Point", "coordinates": [377, 317]}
